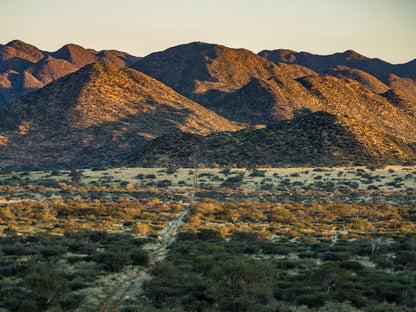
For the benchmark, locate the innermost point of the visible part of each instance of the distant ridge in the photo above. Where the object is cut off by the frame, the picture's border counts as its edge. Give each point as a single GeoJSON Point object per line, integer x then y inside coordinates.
{"type": "Point", "coordinates": [204, 72]}
{"type": "Point", "coordinates": [245, 87]}
{"type": "Point", "coordinates": [322, 63]}
{"type": "Point", "coordinates": [92, 109]}
{"type": "Point", "coordinates": [96, 115]}
{"type": "Point", "coordinates": [361, 76]}
{"type": "Point", "coordinates": [20, 59]}
{"type": "Point", "coordinates": [316, 140]}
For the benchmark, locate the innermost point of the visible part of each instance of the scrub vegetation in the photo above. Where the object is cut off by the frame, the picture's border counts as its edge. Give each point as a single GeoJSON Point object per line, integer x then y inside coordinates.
{"type": "Point", "coordinates": [225, 239]}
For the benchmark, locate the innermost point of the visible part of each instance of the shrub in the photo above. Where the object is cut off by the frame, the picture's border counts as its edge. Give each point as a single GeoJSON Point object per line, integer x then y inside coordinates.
{"type": "Point", "coordinates": [141, 229]}
{"type": "Point", "coordinates": [139, 257]}
{"type": "Point", "coordinates": [258, 173]}
{"type": "Point", "coordinates": [113, 261]}
{"type": "Point", "coordinates": [209, 235]}
{"type": "Point", "coordinates": [48, 286]}
{"type": "Point", "coordinates": [245, 236]}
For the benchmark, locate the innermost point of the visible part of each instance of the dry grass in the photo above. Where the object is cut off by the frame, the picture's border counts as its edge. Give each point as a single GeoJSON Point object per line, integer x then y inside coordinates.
{"type": "Point", "coordinates": [213, 178]}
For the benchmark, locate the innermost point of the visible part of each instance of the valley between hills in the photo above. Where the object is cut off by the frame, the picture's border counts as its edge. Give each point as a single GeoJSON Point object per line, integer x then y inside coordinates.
{"type": "Point", "coordinates": [206, 178]}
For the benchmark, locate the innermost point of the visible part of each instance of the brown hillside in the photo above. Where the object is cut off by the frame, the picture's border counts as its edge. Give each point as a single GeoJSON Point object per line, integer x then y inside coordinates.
{"type": "Point", "coordinates": [316, 139]}
{"type": "Point", "coordinates": [204, 72]}
{"type": "Point", "coordinates": [31, 51]}
{"type": "Point", "coordinates": [263, 101]}
{"type": "Point", "coordinates": [280, 97]}
{"type": "Point", "coordinates": [404, 85]}
{"type": "Point", "coordinates": [361, 76]}
{"type": "Point", "coordinates": [14, 85]}
{"type": "Point", "coordinates": [322, 63]}
{"type": "Point", "coordinates": [346, 96]}
{"type": "Point", "coordinates": [17, 55]}
{"type": "Point", "coordinates": [75, 54]}
{"type": "Point", "coordinates": [50, 69]}
{"type": "Point", "coordinates": [23, 59]}
{"type": "Point", "coordinates": [95, 115]}
{"type": "Point", "coordinates": [244, 87]}
{"type": "Point", "coordinates": [402, 101]}
{"type": "Point", "coordinates": [115, 57]}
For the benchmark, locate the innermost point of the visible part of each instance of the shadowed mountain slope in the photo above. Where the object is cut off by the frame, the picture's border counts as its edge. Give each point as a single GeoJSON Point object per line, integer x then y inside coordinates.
{"type": "Point", "coordinates": [96, 115]}
{"type": "Point", "coordinates": [322, 63]}
{"type": "Point", "coordinates": [17, 55]}
{"type": "Point", "coordinates": [262, 101]}
{"type": "Point", "coordinates": [402, 101]}
{"type": "Point", "coordinates": [49, 69]}
{"type": "Point", "coordinates": [361, 76]}
{"type": "Point", "coordinates": [317, 139]}
{"type": "Point", "coordinates": [244, 87]}
{"type": "Point", "coordinates": [22, 58]}
{"type": "Point", "coordinates": [404, 85]}
{"type": "Point", "coordinates": [204, 72]}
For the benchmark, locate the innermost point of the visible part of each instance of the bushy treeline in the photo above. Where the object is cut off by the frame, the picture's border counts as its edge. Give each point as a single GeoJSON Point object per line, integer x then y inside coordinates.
{"type": "Point", "coordinates": [303, 218]}
{"type": "Point", "coordinates": [65, 214]}
{"type": "Point", "coordinates": [203, 272]}
{"type": "Point", "coordinates": [63, 273]}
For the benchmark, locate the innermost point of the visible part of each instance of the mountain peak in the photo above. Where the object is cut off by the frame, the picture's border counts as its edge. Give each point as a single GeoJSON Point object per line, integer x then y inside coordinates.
{"type": "Point", "coordinates": [20, 45]}
{"type": "Point", "coordinates": [352, 55]}
{"type": "Point", "coordinates": [32, 53]}
{"type": "Point", "coordinates": [99, 113]}
{"type": "Point", "coordinates": [75, 54]}
{"type": "Point", "coordinates": [49, 69]}
{"type": "Point", "coordinates": [317, 139]}
{"type": "Point", "coordinates": [322, 63]}
{"type": "Point", "coordinates": [202, 71]}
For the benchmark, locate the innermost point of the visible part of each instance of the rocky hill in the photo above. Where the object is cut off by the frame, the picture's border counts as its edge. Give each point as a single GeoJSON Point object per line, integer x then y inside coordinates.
{"type": "Point", "coordinates": [322, 63]}
{"type": "Point", "coordinates": [244, 87]}
{"type": "Point", "coordinates": [205, 72]}
{"type": "Point", "coordinates": [24, 68]}
{"type": "Point", "coordinates": [95, 116]}
{"type": "Point", "coordinates": [360, 76]}
{"type": "Point", "coordinates": [315, 140]}
{"type": "Point", "coordinates": [89, 113]}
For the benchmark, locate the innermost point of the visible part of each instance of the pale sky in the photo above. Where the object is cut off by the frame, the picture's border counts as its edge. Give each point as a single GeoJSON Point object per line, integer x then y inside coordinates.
{"type": "Point", "coordinates": [375, 28]}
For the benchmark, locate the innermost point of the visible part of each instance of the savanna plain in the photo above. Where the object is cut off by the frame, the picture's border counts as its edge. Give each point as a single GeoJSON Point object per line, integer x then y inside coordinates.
{"type": "Point", "coordinates": [209, 239]}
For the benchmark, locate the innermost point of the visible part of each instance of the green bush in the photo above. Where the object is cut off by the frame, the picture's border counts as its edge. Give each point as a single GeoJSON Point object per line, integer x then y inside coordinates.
{"type": "Point", "coordinates": [113, 261]}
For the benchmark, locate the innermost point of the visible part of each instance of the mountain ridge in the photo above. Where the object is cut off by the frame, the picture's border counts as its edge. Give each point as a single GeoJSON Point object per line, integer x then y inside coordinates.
{"type": "Point", "coordinates": [203, 71]}
{"type": "Point", "coordinates": [46, 67]}
{"type": "Point", "coordinates": [224, 80]}
{"type": "Point", "coordinates": [95, 115]}
{"type": "Point", "coordinates": [322, 63]}
{"type": "Point", "coordinates": [313, 140]}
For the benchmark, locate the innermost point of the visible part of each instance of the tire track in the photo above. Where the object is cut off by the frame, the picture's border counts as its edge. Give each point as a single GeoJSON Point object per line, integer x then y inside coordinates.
{"type": "Point", "coordinates": [158, 252]}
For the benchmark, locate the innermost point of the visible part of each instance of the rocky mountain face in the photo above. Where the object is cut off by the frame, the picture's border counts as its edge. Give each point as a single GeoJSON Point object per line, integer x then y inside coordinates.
{"type": "Point", "coordinates": [244, 87]}
{"type": "Point", "coordinates": [24, 68]}
{"type": "Point", "coordinates": [322, 63]}
{"type": "Point", "coordinates": [85, 107]}
{"type": "Point", "coordinates": [95, 116]}
{"type": "Point", "coordinates": [205, 72]}
{"type": "Point", "coordinates": [318, 139]}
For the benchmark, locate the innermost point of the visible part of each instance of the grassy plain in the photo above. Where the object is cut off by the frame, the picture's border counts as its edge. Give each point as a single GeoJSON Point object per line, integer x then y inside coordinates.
{"type": "Point", "coordinates": [391, 178]}
{"type": "Point", "coordinates": [174, 239]}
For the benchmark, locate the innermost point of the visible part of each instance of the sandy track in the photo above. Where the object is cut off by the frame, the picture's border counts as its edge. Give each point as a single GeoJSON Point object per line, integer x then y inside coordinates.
{"type": "Point", "coordinates": [158, 252]}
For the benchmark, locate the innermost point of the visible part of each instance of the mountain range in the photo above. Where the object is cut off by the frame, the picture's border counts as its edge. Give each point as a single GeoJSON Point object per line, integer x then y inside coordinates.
{"type": "Point", "coordinates": [96, 115]}
{"type": "Point", "coordinates": [318, 139]}
{"type": "Point", "coordinates": [25, 68]}
{"type": "Point", "coordinates": [83, 107]}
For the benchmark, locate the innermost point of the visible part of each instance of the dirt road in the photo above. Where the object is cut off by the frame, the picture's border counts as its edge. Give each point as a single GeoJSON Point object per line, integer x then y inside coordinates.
{"type": "Point", "coordinates": [157, 252]}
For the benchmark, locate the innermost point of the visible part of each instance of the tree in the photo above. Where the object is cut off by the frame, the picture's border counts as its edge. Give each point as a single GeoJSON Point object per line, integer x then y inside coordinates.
{"type": "Point", "coordinates": [75, 175]}
{"type": "Point", "coordinates": [47, 286]}
{"type": "Point", "coordinates": [171, 169]}
{"type": "Point", "coordinates": [244, 286]}
{"type": "Point", "coordinates": [376, 244]}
